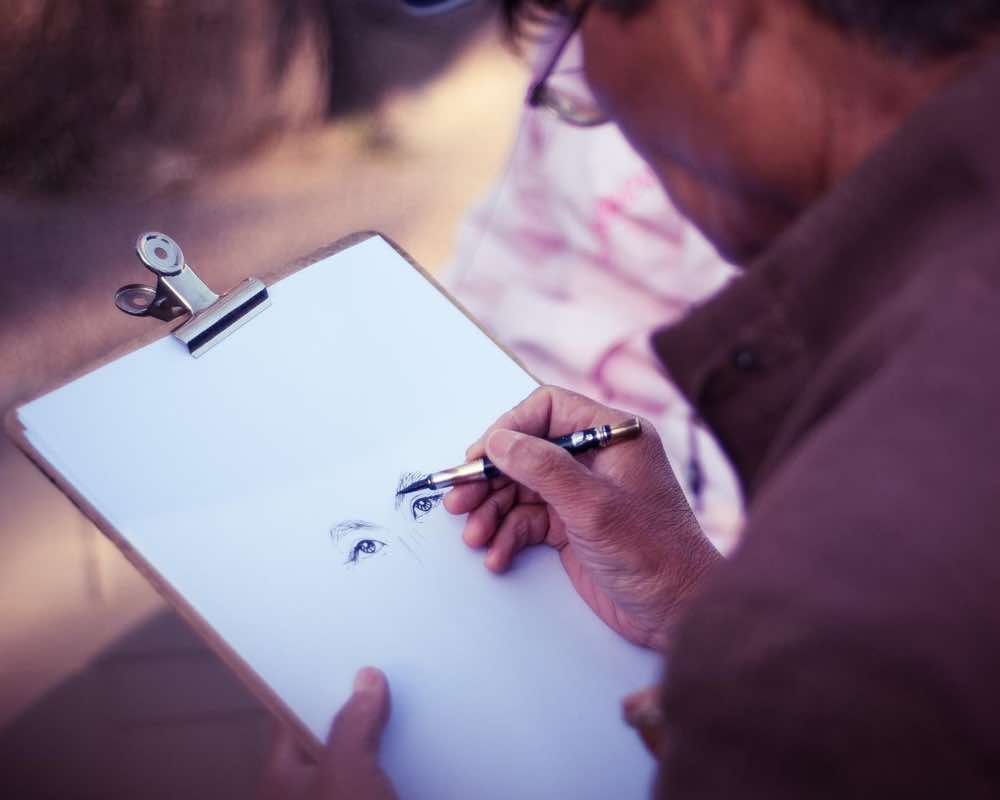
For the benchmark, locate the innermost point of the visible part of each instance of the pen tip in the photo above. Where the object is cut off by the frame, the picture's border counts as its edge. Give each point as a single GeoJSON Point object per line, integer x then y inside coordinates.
{"type": "Point", "coordinates": [416, 486]}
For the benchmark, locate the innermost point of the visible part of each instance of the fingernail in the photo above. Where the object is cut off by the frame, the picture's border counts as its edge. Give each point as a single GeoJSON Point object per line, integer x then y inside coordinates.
{"type": "Point", "coordinates": [367, 680]}
{"type": "Point", "coordinates": [500, 442]}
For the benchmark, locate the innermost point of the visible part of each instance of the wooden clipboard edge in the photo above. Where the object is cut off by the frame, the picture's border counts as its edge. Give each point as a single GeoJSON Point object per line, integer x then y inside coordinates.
{"type": "Point", "coordinates": [246, 673]}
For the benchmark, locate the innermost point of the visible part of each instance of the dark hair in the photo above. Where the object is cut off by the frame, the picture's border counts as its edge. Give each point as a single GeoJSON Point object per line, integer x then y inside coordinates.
{"type": "Point", "coordinates": [912, 28]}
{"type": "Point", "coordinates": [915, 27]}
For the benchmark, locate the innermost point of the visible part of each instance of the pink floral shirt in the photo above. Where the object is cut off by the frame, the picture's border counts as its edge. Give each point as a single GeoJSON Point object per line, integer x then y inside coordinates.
{"type": "Point", "coordinates": [573, 259]}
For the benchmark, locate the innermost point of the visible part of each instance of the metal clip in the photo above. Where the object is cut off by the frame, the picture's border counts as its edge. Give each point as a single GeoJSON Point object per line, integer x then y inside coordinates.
{"type": "Point", "coordinates": [180, 291]}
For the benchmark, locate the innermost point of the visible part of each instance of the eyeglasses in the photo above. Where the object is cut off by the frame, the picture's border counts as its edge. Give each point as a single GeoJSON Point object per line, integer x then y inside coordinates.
{"type": "Point", "coordinates": [563, 90]}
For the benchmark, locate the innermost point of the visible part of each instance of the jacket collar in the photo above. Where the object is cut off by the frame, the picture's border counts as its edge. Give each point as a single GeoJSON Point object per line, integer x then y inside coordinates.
{"type": "Point", "coordinates": [745, 358]}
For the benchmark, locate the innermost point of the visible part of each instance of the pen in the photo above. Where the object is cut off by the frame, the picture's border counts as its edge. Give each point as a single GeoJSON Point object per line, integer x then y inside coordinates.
{"type": "Point", "coordinates": [483, 469]}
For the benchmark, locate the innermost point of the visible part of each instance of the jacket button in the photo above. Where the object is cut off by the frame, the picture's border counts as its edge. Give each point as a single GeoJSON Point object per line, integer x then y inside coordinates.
{"type": "Point", "coordinates": [745, 360]}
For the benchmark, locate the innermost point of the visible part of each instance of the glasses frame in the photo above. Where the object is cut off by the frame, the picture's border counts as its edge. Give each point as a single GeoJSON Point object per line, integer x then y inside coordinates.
{"type": "Point", "coordinates": [540, 95]}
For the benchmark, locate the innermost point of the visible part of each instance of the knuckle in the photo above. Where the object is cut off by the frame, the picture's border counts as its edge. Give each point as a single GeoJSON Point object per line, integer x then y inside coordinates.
{"type": "Point", "coordinates": [484, 521]}
{"type": "Point", "coordinates": [650, 440]}
{"type": "Point", "coordinates": [494, 510]}
{"type": "Point", "coordinates": [526, 407]}
{"type": "Point", "coordinates": [547, 392]}
{"type": "Point", "coordinates": [538, 403]}
{"type": "Point", "coordinates": [537, 525]}
{"type": "Point", "coordinates": [488, 514]}
{"type": "Point", "coordinates": [521, 529]}
{"type": "Point", "coordinates": [547, 463]}
{"type": "Point", "coordinates": [487, 520]}
{"type": "Point", "coordinates": [601, 509]}
{"type": "Point", "coordinates": [606, 517]}
{"type": "Point", "coordinates": [519, 454]}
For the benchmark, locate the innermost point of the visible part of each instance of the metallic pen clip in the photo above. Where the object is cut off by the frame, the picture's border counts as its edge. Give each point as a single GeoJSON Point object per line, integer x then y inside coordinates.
{"type": "Point", "coordinates": [180, 291]}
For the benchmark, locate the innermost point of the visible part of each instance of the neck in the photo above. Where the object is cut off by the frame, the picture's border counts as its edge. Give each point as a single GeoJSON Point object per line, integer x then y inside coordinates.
{"type": "Point", "coordinates": [867, 94]}
{"type": "Point", "coordinates": [821, 103]}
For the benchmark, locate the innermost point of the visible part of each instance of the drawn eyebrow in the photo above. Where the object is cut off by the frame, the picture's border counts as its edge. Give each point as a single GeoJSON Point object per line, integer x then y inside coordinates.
{"type": "Point", "coordinates": [347, 526]}
{"type": "Point", "coordinates": [405, 480]}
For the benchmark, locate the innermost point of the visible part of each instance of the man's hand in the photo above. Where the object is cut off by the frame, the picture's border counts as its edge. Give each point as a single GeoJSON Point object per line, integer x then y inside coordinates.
{"type": "Point", "coordinates": [618, 517]}
{"type": "Point", "coordinates": [349, 767]}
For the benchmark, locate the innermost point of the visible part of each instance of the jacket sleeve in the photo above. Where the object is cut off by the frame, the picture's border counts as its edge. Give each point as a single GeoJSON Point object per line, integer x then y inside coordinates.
{"type": "Point", "coordinates": [849, 648]}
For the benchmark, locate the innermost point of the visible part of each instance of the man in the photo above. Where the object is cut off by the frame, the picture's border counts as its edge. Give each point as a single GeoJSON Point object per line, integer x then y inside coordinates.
{"type": "Point", "coordinates": [842, 152]}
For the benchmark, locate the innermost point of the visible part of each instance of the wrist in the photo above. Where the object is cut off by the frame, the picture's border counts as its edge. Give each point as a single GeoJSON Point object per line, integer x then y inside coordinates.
{"type": "Point", "coordinates": [681, 580]}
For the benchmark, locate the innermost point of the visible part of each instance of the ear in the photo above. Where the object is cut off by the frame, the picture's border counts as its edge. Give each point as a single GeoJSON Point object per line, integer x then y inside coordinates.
{"type": "Point", "coordinates": [726, 29]}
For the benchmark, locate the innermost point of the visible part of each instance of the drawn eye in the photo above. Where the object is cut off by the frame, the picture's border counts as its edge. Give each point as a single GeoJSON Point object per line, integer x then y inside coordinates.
{"type": "Point", "coordinates": [424, 505]}
{"type": "Point", "coordinates": [364, 548]}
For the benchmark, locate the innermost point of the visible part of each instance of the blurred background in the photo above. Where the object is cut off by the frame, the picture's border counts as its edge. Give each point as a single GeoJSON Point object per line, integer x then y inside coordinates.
{"type": "Point", "coordinates": [253, 132]}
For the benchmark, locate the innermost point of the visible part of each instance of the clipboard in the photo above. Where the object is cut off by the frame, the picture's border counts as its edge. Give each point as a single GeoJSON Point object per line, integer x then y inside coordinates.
{"type": "Point", "coordinates": [210, 320]}
{"type": "Point", "coordinates": [16, 432]}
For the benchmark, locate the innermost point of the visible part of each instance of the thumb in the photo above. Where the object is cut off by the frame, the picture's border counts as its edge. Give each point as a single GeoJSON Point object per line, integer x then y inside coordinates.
{"type": "Point", "coordinates": [543, 467]}
{"type": "Point", "coordinates": [357, 729]}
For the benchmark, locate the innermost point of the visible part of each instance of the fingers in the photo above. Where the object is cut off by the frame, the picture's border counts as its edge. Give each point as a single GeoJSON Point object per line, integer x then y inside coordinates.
{"type": "Point", "coordinates": [531, 415]}
{"type": "Point", "coordinates": [557, 477]}
{"type": "Point", "coordinates": [468, 496]}
{"type": "Point", "coordinates": [643, 711]}
{"type": "Point", "coordinates": [484, 520]}
{"type": "Point", "coordinates": [349, 768]}
{"type": "Point", "coordinates": [643, 707]}
{"type": "Point", "coordinates": [463, 499]}
{"type": "Point", "coordinates": [525, 526]}
{"type": "Point", "coordinates": [357, 729]}
{"type": "Point", "coordinates": [506, 518]}
{"type": "Point", "coordinates": [548, 411]}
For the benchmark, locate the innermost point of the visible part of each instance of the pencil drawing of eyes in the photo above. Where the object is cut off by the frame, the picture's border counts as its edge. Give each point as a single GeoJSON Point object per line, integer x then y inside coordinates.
{"type": "Point", "coordinates": [419, 504]}
{"type": "Point", "coordinates": [364, 548]}
{"type": "Point", "coordinates": [424, 505]}
{"type": "Point", "coordinates": [359, 534]}
{"type": "Point", "coordinates": [405, 480]}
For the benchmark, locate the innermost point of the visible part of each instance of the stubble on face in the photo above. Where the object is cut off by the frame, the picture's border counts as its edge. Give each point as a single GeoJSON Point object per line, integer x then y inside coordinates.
{"type": "Point", "coordinates": [649, 73]}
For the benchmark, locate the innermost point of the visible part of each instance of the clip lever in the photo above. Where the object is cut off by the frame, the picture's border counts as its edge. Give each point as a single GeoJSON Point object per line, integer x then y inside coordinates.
{"type": "Point", "coordinates": [179, 291]}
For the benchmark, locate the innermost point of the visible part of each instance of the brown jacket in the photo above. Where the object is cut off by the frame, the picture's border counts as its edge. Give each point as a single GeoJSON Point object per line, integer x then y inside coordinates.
{"type": "Point", "coordinates": [851, 645]}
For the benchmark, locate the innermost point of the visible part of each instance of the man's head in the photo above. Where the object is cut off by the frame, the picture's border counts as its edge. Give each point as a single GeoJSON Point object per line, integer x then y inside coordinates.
{"type": "Point", "coordinates": [749, 110]}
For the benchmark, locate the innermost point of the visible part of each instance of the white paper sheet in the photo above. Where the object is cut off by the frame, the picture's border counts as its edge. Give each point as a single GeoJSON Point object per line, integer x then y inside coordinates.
{"type": "Point", "coordinates": [259, 480]}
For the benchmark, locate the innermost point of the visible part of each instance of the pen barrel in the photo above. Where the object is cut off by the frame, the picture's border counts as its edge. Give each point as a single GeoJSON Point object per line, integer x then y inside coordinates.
{"type": "Point", "coordinates": [601, 436]}
{"type": "Point", "coordinates": [578, 442]}
{"type": "Point", "coordinates": [480, 469]}
{"type": "Point", "coordinates": [629, 429]}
